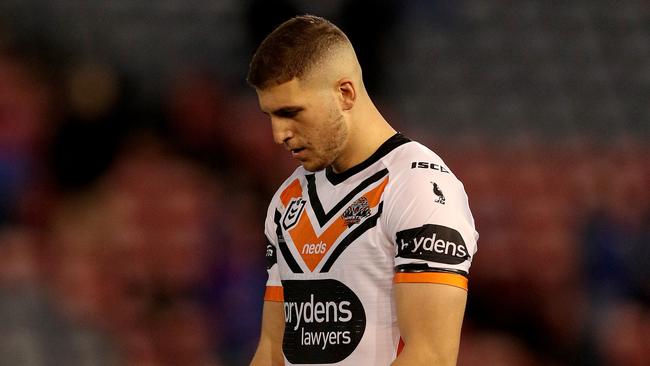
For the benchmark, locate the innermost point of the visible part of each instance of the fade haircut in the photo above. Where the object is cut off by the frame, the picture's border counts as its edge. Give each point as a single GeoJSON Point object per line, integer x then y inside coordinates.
{"type": "Point", "coordinates": [293, 49]}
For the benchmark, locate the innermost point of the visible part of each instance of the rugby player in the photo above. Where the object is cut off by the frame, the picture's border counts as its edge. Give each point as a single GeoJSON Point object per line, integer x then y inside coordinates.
{"type": "Point", "coordinates": [371, 238]}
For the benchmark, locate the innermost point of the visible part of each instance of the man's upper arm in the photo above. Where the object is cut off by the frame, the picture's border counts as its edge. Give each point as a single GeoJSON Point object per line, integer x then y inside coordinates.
{"type": "Point", "coordinates": [430, 316]}
{"type": "Point", "coordinates": [430, 223]}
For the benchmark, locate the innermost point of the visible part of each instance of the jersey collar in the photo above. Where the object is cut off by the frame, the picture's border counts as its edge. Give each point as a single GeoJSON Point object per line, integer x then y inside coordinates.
{"type": "Point", "coordinates": [389, 145]}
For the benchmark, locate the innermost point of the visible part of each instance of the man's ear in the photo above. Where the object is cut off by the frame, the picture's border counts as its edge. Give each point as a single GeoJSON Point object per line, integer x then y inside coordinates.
{"type": "Point", "coordinates": [347, 93]}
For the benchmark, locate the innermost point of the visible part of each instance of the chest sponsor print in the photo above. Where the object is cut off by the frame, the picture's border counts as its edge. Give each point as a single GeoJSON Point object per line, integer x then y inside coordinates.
{"type": "Point", "coordinates": [324, 321]}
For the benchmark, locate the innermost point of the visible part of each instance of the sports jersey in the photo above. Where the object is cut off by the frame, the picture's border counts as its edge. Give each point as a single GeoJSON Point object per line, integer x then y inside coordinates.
{"type": "Point", "coordinates": [338, 242]}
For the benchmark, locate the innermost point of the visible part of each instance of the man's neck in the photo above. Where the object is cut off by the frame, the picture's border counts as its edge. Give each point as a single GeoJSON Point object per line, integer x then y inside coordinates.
{"type": "Point", "coordinates": [365, 138]}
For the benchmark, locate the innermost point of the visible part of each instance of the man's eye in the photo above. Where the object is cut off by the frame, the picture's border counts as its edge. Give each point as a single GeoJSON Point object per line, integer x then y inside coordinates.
{"type": "Point", "coordinates": [287, 114]}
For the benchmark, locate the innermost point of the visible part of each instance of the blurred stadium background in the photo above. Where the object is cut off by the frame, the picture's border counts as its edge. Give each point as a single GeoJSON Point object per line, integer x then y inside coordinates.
{"type": "Point", "coordinates": [135, 170]}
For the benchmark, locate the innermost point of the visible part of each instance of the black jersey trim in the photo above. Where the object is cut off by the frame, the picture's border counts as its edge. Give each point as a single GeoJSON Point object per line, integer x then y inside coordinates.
{"type": "Point", "coordinates": [389, 145]}
{"type": "Point", "coordinates": [286, 253]}
{"type": "Point", "coordinates": [368, 224]}
{"type": "Point", "coordinates": [317, 206]}
{"type": "Point", "coordinates": [423, 267]}
{"type": "Point", "coordinates": [271, 254]}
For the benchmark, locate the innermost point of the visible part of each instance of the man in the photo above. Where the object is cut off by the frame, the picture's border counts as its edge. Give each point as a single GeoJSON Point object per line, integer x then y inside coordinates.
{"type": "Point", "coordinates": [371, 239]}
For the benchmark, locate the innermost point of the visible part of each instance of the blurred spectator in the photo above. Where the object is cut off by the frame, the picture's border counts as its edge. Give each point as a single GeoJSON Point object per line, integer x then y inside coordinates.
{"type": "Point", "coordinates": [27, 120]}
{"type": "Point", "coordinates": [36, 331]}
{"type": "Point", "coordinates": [623, 336]}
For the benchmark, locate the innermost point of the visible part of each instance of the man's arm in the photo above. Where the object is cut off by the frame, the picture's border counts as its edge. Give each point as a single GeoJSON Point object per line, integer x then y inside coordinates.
{"type": "Point", "coordinates": [269, 349]}
{"type": "Point", "coordinates": [430, 316]}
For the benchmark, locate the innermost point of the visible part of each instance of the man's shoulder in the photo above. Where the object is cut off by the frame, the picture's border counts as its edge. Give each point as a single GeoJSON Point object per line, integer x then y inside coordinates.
{"type": "Point", "coordinates": [416, 170]}
{"type": "Point", "coordinates": [414, 158]}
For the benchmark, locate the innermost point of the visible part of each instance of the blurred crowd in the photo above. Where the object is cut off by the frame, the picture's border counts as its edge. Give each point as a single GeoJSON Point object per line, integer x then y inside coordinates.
{"type": "Point", "coordinates": [131, 230]}
{"type": "Point", "coordinates": [128, 237]}
{"type": "Point", "coordinates": [561, 276]}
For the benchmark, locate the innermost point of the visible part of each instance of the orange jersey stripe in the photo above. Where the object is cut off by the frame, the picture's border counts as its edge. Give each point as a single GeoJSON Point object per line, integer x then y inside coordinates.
{"type": "Point", "coordinates": [293, 190]}
{"type": "Point", "coordinates": [304, 234]}
{"type": "Point", "coordinates": [374, 195]}
{"type": "Point", "coordinates": [451, 279]}
{"type": "Point", "coordinates": [274, 293]}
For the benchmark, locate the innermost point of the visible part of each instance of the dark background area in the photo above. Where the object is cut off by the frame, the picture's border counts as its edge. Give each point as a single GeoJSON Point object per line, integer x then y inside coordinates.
{"type": "Point", "coordinates": [135, 171]}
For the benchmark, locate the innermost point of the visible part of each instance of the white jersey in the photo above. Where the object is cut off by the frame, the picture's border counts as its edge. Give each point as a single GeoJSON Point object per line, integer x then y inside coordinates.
{"type": "Point", "coordinates": [338, 242]}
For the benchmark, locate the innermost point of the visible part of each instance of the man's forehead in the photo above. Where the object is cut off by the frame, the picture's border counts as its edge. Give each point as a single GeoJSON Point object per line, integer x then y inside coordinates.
{"type": "Point", "coordinates": [272, 97]}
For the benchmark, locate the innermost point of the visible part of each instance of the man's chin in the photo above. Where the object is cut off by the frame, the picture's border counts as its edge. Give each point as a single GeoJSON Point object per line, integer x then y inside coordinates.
{"type": "Point", "coordinates": [311, 166]}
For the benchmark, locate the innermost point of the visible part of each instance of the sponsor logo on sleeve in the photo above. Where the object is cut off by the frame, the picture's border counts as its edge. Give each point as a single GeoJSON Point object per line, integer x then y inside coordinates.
{"type": "Point", "coordinates": [425, 165]}
{"type": "Point", "coordinates": [324, 321]}
{"type": "Point", "coordinates": [434, 243]}
{"type": "Point", "coordinates": [271, 255]}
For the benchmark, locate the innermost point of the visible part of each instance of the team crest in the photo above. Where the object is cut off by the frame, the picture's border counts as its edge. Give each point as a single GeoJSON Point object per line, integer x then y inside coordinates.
{"type": "Point", "coordinates": [438, 192]}
{"type": "Point", "coordinates": [293, 212]}
{"type": "Point", "coordinates": [356, 212]}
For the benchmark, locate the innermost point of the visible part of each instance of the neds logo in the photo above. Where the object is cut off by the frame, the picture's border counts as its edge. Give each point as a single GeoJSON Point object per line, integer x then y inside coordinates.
{"type": "Point", "coordinates": [434, 243]}
{"type": "Point", "coordinates": [319, 248]}
{"type": "Point", "coordinates": [324, 321]}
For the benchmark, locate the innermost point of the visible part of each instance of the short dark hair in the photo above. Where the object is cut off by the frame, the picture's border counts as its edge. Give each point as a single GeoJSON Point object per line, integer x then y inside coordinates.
{"type": "Point", "coordinates": [292, 49]}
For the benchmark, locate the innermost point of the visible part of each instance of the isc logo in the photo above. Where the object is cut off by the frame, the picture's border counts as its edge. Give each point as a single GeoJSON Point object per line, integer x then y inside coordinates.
{"type": "Point", "coordinates": [425, 165]}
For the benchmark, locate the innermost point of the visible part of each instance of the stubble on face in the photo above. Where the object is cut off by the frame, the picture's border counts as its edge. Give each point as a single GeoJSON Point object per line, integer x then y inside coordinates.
{"type": "Point", "coordinates": [328, 142]}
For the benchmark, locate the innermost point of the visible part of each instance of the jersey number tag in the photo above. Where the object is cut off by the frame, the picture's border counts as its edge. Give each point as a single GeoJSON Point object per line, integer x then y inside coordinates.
{"type": "Point", "coordinates": [293, 212]}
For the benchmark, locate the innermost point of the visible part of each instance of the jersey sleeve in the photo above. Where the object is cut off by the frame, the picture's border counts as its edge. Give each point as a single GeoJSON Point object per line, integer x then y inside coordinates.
{"type": "Point", "coordinates": [431, 226]}
{"type": "Point", "coordinates": [273, 290]}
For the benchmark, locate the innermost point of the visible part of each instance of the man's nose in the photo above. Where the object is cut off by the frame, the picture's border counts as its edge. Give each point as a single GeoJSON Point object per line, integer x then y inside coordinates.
{"type": "Point", "coordinates": [281, 130]}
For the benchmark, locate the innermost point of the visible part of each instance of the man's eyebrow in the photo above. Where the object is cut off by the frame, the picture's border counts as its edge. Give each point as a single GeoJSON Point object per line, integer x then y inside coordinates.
{"type": "Point", "coordinates": [285, 110]}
